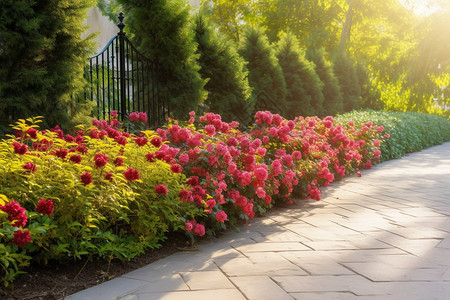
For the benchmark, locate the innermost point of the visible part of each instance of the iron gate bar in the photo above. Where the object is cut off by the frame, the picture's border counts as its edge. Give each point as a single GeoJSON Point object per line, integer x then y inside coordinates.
{"type": "Point", "coordinates": [131, 84]}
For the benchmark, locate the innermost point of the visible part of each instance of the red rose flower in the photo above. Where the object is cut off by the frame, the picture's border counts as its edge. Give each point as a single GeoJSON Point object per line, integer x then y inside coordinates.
{"type": "Point", "coordinates": [108, 176]}
{"type": "Point", "coordinates": [176, 168]}
{"type": "Point", "coordinates": [29, 166]}
{"type": "Point", "coordinates": [86, 178]}
{"type": "Point", "coordinates": [118, 161]}
{"type": "Point", "coordinates": [210, 130]}
{"type": "Point", "coordinates": [313, 192]}
{"type": "Point", "coordinates": [32, 133]}
{"type": "Point", "coordinates": [21, 237]}
{"type": "Point", "coordinates": [193, 181]}
{"type": "Point", "coordinates": [75, 159]}
{"type": "Point", "coordinates": [221, 216]}
{"type": "Point", "coordinates": [133, 117]}
{"type": "Point", "coordinates": [100, 160]}
{"type": "Point", "coordinates": [69, 138]}
{"type": "Point", "coordinates": [211, 203]}
{"type": "Point", "coordinates": [121, 140]}
{"type": "Point", "coordinates": [82, 149]}
{"type": "Point", "coordinates": [16, 213]}
{"type": "Point", "coordinates": [61, 153]}
{"type": "Point", "coordinates": [79, 139]}
{"type": "Point", "coordinates": [142, 117]}
{"type": "Point", "coordinates": [141, 141]}
{"type": "Point", "coordinates": [131, 174]}
{"type": "Point", "coordinates": [19, 148]}
{"type": "Point", "coordinates": [150, 157]}
{"type": "Point", "coordinates": [189, 225]}
{"type": "Point", "coordinates": [199, 229]}
{"type": "Point", "coordinates": [185, 195]}
{"type": "Point", "coordinates": [156, 141]}
{"type": "Point", "coordinates": [161, 189]}
{"type": "Point", "coordinates": [45, 207]}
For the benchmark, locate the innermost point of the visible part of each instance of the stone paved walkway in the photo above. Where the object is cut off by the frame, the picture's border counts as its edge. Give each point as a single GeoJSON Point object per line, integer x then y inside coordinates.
{"type": "Point", "coordinates": [383, 236]}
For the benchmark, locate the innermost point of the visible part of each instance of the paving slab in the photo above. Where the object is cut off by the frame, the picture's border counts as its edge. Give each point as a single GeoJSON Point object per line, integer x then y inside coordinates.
{"type": "Point", "coordinates": [218, 294]}
{"type": "Point", "coordinates": [260, 288]}
{"type": "Point", "coordinates": [383, 236]}
{"type": "Point", "coordinates": [321, 283]}
{"type": "Point", "coordinates": [206, 280]}
{"type": "Point", "coordinates": [326, 295]}
{"type": "Point", "coordinates": [112, 289]}
{"type": "Point", "coordinates": [316, 263]}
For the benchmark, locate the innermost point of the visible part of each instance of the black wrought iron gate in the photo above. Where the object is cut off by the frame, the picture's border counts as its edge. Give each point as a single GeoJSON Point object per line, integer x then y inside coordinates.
{"type": "Point", "coordinates": [120, 78]}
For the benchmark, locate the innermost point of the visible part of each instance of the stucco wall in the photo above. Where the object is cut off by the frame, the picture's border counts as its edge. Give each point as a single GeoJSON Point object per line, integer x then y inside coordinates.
{"type": "Point", "coordinates": [105, 28]}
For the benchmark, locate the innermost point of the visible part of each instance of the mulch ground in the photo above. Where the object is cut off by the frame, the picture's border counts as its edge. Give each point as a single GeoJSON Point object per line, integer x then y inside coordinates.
{"type": "Point", "coordinates": [55, 281]}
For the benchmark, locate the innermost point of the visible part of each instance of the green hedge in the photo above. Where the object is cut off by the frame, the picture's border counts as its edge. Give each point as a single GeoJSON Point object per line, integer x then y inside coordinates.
{"type": "Point", "coordinates": [409, 131]}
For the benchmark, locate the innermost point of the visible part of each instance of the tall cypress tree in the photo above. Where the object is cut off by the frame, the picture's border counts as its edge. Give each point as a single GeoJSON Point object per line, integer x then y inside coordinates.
{"type": "Point", "coordinates": [42, 56]}
{"type": "Point", "coordinates": [229, 93]}
{"type": "Point", "coordinates": [333, 100]}
{"type": "Point", "coordinates": [161, 30]}
{"type": "Point", "coordinates": [345, 71]}
{"type": "Point", "coordinates": [265, 74]}
{"type": "Point", "coordinates": [304, 87]}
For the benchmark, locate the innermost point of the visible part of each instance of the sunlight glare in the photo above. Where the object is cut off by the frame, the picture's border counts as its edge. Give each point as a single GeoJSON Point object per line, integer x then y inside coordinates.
{"type": "Point", "coordinates": [421, 7]}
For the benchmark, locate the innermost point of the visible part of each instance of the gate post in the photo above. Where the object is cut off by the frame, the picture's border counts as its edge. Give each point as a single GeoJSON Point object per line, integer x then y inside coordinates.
{"type": "Point", "coordinates": [123, 100]}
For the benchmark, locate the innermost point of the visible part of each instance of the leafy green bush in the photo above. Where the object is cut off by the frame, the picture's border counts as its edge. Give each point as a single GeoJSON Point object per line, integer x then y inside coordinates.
{"type": "Point", "coordinates": [106, 197]}
{"type": "Point", "coordinates": [409, 131]}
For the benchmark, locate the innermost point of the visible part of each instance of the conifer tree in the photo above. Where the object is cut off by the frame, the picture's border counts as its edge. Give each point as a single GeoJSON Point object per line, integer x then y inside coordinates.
{"type": "Point", "coordinates": [42, 56]}
{"type": "Point", "coordinates": [370, 95]}
{"type": "Point", "coordinates": [333, 100]}
{"type": "Point", "coordinates": [161, 30]}
{"type": "Point", "coordinates": [345, 71]}
{"type": "Point", "coordinates": [227, 86]}
{"type": "Point", "coordinates": [304, 87]}
{"type": "Point", "coordinates": [265, 74]}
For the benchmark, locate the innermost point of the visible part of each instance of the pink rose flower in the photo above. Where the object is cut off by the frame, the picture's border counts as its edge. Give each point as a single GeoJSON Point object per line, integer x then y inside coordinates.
{"type": "Point", "coordinates": [199, 229]}
{"type": "Point", "coordinates": [221, 216]}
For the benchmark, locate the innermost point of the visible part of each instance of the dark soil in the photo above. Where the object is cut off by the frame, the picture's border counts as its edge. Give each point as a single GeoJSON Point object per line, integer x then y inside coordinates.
{"type": "Point", "coordinates": [55, 281]}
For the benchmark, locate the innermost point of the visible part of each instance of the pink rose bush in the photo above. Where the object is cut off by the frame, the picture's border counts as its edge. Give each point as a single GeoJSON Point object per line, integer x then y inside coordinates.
{"type": "Point", "coordinates": [107, 187]}
{"type": "Point", "coordinates": [239, 175]}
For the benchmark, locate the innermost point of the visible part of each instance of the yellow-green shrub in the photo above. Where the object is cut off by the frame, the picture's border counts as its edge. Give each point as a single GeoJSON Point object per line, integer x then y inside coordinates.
{"type": "Point", "coordinates": [111, 217]}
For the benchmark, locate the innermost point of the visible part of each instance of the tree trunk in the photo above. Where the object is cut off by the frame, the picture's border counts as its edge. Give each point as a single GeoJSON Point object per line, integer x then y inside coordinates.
{"type": "Point", "coordinates": [346, 29]}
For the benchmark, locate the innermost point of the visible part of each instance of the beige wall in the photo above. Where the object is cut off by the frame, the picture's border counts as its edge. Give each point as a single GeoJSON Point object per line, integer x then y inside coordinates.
{"type": "Point", "coordinates": [105, 28]}
{"type": "Point", "coordinates": [194, 3]}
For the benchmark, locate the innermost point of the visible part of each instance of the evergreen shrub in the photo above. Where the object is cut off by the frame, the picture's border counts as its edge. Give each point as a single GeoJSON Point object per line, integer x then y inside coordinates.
{"type": "Point", "coordinates": [304, 87]}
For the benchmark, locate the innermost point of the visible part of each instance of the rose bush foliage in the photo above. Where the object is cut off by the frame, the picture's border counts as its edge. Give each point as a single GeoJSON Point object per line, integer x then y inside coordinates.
{"type": "Point", "coordinates": [103, 192]}
{"type": "Point", "coordinates": [408, 131]}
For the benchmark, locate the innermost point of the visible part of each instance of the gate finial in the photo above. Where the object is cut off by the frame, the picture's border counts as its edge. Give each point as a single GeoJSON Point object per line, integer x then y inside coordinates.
{"type": "Point", "coordinates": [121, 25]}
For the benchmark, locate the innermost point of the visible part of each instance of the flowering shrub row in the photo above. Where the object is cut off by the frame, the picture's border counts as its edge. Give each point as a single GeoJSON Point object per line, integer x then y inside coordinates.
{"type": "Point", "coordinates": [409, 131]}
{"type": "Point", "coordinates": [245, 173]}
{"type": "Point", "coordinates": [103, 192]}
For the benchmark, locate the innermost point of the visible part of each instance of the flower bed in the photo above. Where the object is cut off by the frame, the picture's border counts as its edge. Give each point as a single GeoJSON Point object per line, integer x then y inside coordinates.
{"type": "Point", "coordinates": [103, 192]}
